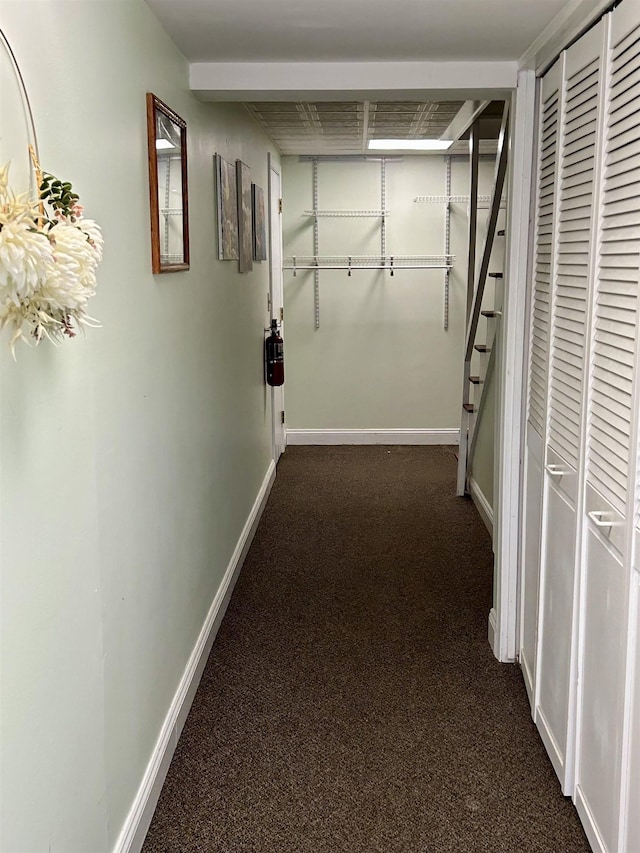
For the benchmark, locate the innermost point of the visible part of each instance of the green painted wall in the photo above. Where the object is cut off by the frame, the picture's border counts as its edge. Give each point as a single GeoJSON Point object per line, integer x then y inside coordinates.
{"type": "Point", "coordinates": [131, 458]}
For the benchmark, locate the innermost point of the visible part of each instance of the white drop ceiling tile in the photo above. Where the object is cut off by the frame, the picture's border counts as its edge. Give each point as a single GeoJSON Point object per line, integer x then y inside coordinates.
{"type": "Point", "coordinates": [328, 127]}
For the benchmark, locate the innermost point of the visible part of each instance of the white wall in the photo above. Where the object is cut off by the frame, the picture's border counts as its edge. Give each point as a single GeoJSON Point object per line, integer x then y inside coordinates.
{"type": "Point", "coordinates": [130, 458]}
{"type": "Point", "coordinates": [482, 462]}
{"type": "Point", "coordinates": [381, 358]}
{"type": "Point", "coordinates": [369, 363]}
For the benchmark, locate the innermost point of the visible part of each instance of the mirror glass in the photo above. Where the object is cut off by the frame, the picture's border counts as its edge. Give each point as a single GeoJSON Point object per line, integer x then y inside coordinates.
{"type": "Point", "coordinates": [168, 152]}
{"type": "Point", "coordinates": [168, 187]}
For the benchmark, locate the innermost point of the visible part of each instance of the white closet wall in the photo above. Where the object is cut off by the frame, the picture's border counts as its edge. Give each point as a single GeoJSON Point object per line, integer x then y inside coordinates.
{"type": "Point", "coordinates": [580, 585]}
{"type": "Point", "coordinates": [381, 358]}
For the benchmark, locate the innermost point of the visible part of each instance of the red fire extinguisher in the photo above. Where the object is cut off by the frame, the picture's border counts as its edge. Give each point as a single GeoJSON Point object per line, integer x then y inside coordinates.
{"type": "Point", "coordinates": [274, 356]}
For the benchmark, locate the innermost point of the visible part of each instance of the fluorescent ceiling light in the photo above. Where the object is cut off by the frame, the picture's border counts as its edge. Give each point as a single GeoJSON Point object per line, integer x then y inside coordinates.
{"type": "Point", "coordinates": [409, 144]}
{"type": "Point", "coordinates": [164, 143]}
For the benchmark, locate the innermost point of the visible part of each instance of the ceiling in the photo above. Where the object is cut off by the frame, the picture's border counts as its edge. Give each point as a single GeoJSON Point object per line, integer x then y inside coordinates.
{"type": "Point", "coordinates": [290, 31]}
{"type": "Point", "coordinates": [354, 30]}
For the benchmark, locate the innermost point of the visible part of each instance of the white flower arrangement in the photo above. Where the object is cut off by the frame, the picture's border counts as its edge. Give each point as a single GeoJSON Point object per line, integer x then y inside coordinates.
{"type": "Point", "coordinates": [49, 254]}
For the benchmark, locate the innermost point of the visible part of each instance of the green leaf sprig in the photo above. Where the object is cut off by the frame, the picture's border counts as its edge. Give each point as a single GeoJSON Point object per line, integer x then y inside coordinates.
{"type": "Point", "coordinates": [59, 194]}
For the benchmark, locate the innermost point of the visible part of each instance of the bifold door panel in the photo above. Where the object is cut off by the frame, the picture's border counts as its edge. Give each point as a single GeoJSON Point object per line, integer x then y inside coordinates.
{"type": "Point", "coordinates": [581, 71]}
{"type": "Point", "coordinates": [581, 540]}
{"type": "Point", "coordinates": [556, 606]}
{"type": "Point", "coordinates": [539, 368]}
{"type": "Point", "coordinates": [631, 828]}
{"type": "Point", "coordinates": [531, 562]}
{"type": "Point", "coordinates": [610, 451]}
{"type": "Point", "coordinates": [601, 708]}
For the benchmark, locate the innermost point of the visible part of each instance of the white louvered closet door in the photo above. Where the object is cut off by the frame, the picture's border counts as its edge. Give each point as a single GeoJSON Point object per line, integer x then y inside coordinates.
{"type": "Point", "coordinates": [571, 284]}
{"type": "Point", "coordinates": [548, 133]}
{"type": "Point", "coordinates": [630, 829]}
{"type": "Point", "coordinates": [631, 769]}
{"type": "Point", "coordinates": [631, 807]}
{"type": "Point", "coordinates": [609, 455]}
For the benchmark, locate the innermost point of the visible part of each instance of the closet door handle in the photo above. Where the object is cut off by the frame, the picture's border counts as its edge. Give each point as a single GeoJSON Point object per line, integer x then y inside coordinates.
{"type": "Point", "coordinates": [596, 516]}
{"type": "Point", "coordinates": [556, 470]}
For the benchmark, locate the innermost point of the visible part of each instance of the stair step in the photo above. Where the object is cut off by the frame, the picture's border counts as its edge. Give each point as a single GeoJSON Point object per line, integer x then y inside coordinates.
{"type": "Point", "coordinates": [475, 380]}
{"type": "Point", "coordinates": [482, 348]}
{"type": "Point", "coordinates": [501, 232]}
{"type": "Point", "coordinates": [489, 313]}
{"type": "Point", "coordinates": [468, 407]}
{"type": "Point", "coordinates": [496, 275]}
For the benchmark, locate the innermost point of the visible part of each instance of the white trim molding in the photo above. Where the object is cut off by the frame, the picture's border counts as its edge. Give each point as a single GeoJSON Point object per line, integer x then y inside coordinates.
{"type": "Point", "coordinates": [137, 823]}
{"type": "Point", "coordinates": [372, 436]}
{"type": "Point", "coordinates": [485, 510]}
{"type": "Point", "coordinates": [588, 822]}
{"type": "Point", "coordinates": [553, 750]}
{"type": "Point", "coordinates": [574, 19]}
{"type": "Point", "coordinates": [492, 627]}
{"type": "Point", "coordinates": [511, 367]}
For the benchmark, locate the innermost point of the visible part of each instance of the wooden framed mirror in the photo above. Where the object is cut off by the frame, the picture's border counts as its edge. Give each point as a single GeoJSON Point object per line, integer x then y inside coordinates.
{"type": "Point", "coordinates": [167, 136]}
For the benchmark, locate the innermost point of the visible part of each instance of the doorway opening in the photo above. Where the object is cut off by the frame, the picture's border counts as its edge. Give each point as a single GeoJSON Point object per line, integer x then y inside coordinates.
{"type": "Point", "coordinates": [390, 273]}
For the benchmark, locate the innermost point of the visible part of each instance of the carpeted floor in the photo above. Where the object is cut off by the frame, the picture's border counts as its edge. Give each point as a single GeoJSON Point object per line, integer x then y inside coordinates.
{"type": "Point", "coordinates": [351, 702]}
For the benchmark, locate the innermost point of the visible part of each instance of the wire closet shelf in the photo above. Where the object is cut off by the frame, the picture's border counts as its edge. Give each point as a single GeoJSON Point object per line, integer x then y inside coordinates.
{"type": "Point", "coordinates": [349, 263]}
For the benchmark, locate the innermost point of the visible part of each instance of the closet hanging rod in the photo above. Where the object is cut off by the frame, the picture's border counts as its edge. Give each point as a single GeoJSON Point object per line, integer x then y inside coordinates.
{"type": "Point", "coordinates": [356, 260]}
{"type": "Point", "coordinates": [484, 201]}
{"type": "Point", "coordinates": [357, 214]}
{"type": "Point", "coordinates": [456, 199]}
{"type": "Point", "coordinates": [372, 267]}
{"type": "Point", "coordinates": [368, 262]}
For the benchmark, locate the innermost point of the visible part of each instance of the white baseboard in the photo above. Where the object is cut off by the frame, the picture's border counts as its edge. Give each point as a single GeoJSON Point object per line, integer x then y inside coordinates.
{"type": "Point", "coordinates": [588, 823]}
{"type": "Point", "coordinates": [552, 747]}
{"type": "Point", "coordinates": [493, 620]}
{"type": "Point", "coordinates": [528, 680]}
{"type": "Point", "coordinates": [482, 505]}
{"type": "Point", "coordinates": [373, 436]}
{"type": "Point", "coordinates": [136, 825]}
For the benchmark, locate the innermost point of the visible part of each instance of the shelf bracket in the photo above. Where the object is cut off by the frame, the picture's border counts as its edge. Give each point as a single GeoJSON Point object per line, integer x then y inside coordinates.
{"type": "Point", "coordinates": [383, 207]}
{"type": "Point", "coordinates": [316, 250]}
{"type": "Point", "coordinates": [447, 239]}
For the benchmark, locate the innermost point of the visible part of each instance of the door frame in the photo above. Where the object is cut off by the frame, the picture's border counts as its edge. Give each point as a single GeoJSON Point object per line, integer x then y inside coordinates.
{"type": "Point", "coordinates": [276, 295]}
{"type": "Point", "coordinates": [504, 615]}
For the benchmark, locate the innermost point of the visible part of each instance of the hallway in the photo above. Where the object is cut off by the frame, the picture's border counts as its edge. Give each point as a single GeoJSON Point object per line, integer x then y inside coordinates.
{"type": "Point", "coordinates": [351, 701]}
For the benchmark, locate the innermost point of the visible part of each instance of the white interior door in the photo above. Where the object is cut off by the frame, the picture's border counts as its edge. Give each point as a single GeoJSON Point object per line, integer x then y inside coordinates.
{"type": "Point", "coordinates": [573, 275]}
{"type": "Point", "coordinates": [631, 813]}
{"type": "Point", "coordinates": [609, 455]}
{"type": "Point", "coordinates": [277, 298]}
{"type": "Point", "coordinates": [538, 370]}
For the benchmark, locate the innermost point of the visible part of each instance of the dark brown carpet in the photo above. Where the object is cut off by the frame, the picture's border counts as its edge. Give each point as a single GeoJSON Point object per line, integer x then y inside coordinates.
{"type": "Point", "coordinates": [351, 701]}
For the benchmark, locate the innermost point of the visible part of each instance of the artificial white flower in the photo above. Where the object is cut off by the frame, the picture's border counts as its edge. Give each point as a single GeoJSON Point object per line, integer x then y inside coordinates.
{"type": "Point", "coordinates": [48, 260]}
{"type": "Point", "coordinates": [26, 260]}
{"type": "Point", "coordinates": [75, 261]}
{"type": "Point", "coordinates": [17, 208]}
{"type": "Point", "coordinates": [92, 230]}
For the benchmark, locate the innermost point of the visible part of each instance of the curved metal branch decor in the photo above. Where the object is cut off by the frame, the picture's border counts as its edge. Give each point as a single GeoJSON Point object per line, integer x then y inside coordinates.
{"type": "Point", "coordinates": [49, 252]}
